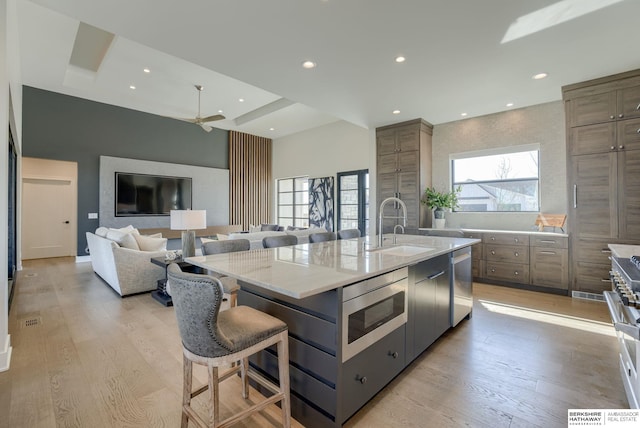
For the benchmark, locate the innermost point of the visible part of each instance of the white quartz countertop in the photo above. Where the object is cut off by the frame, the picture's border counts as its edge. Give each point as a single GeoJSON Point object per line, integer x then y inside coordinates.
{"type": "Point", "coordinates": [624, 251]}
{"type": "Point", "coordinates": [526, 232]}
{"type": "Point", "coordinates": [304, 270]}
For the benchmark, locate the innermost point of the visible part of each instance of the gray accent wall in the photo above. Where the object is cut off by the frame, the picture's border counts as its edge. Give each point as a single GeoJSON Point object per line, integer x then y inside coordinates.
{"type": "Point", "coordinates": [542, 125]}
{"type": "Point", "coordinates": [62, 127]}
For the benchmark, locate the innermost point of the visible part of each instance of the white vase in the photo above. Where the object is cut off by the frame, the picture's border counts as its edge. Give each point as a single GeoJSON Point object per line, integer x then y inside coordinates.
{"type": "Point", "coordinates": [439, 223]}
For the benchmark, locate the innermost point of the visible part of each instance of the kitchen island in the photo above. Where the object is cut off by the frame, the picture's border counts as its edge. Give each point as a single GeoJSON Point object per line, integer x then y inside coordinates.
{"type": "Point", "coordinates": [357, 314]}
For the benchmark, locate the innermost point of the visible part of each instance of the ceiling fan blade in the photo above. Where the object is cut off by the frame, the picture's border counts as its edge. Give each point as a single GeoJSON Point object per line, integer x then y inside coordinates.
{"type": "Point", "coordinates": [212, 118]}
{"type": "Point", "coordinates": [185, 119]}
{"type": "Point", "coordinates": [206, 127]}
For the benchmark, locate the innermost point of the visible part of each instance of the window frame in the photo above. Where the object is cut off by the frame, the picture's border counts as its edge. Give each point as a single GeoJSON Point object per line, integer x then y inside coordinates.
{"type": "Point", "coordinates": [363, 212]}
{"type": "Point", "coordinates": [293, 205]}
{"type": "Point", "coordinates": [497, 152]}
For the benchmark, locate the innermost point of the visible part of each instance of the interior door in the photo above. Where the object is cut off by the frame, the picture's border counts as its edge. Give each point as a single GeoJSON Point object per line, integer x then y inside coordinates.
{"type": "Point", "coordinates": [47, 214]}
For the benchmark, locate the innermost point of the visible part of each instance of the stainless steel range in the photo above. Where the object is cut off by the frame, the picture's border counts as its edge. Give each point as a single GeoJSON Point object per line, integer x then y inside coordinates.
{"type": "Point", "coordinates": [624, 307]}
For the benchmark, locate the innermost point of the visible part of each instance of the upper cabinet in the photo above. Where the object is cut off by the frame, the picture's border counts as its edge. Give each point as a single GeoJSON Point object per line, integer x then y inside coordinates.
{"type": "Point", "coordinates": [404, 171]}
{"type": "Point", "coordinates": [607, 106]}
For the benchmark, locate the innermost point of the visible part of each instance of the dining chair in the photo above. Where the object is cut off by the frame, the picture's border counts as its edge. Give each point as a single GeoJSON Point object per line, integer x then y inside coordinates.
{"type": "Point", "coordinates": [279, 241]}
{"type": "Point", "coordinates": [322, 237]}
{"type": "Point", "coordinates": [348, 233]}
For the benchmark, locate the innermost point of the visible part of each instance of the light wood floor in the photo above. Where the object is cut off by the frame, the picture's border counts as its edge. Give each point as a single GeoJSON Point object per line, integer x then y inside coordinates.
{"type": "Point", "coordinates": [93, 359]}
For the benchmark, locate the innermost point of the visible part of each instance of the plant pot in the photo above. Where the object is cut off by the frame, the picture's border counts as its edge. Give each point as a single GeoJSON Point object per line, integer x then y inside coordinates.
{"type": "Point", "coordinates": [438, 213]}
{"type": "Point", "coordinates": [439, 223]}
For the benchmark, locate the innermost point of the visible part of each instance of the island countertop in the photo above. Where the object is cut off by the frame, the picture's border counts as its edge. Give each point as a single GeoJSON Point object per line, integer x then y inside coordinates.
{"type": "Point", "coordinates": [304, 270]}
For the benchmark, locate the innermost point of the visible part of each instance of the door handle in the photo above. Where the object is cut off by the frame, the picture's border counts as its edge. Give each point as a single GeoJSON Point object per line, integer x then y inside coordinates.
{"type": "Point", "coordinates": [66, 222]}
{"type": "Point", "coordinates": [575, 196]}
{"type": "Point", "coordinates": [436, 275]}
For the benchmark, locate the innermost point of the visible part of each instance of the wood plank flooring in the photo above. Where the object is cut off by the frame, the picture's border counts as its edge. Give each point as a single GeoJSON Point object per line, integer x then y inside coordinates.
{"type": "Point", "coordinates": [84, 357]}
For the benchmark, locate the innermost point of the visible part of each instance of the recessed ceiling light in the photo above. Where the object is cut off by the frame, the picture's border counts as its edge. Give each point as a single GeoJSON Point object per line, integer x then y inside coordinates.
{"type": "Point", "coordinates": [220, 111]}
{"type": "Point", "coordinates": [241, 100]}
{"type": "Point", "coordinates": [131, 87]}
{"type": "Point", "coordinates": [309, 64]}
{"type": "Point", "coordinates": [400, 59]}
{"type": "Point", "coordinates": [146, 70]}
{"type": "Point", "coordinates": [509, 104]}
{"type": "Point", "coordinates": [540, 76]}
{"type": "Point", "coordinates": [463, 114]}
{"type": "Point", "coordinates": [396, 112]}
{"type": "Point", "coordinates": [272, 129]}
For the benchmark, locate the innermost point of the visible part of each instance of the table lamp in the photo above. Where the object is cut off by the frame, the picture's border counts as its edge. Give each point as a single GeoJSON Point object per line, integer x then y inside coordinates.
{"type": "Point", "coordinates": [188, 221]}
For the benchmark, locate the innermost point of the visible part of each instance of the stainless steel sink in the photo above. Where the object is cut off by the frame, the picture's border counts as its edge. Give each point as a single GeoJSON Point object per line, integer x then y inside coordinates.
{"type": "Point", "coordinates": [403, 250]}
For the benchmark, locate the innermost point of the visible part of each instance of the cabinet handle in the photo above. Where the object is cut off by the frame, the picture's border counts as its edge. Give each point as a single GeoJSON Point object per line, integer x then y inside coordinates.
{"type": "Point", "coordinates": [612, 117]}
{"type": "Point", "coordinates": [516, 239]}
{"type": "Point", "coordinates": [621, 147]}
{"type": "Point", "coordinates": [515, 273]}
{"type": "Point", "coordinates": [605, 280]}
{"type": "Point", "coordinates": [638, 131]}
{"type": "Point", "coordinates": [547, 241]}
{"type": "Point", "coordinates": [393, 354]}
{"type": "Point", "coordinates": [621, 115]}
{"type": "Point", "coordinates": [493, 253]}
{"type": "Point", "coordinates": [575, 196]}
{"type": "Point", "coordinates": [605, 251]}
{"type": "Point", "coordinates": [613, 147]}
{"type": "Point", "coordinates": [638, 108]}
{"type": "Point", "coordinates": [493, 271]}
{"type": "Point", "coordinates": [516, 254]}
{"type": "Point", "coordinates": [548, 252]}
{"type": "Point", "coordinates": [493, 238]}
{"type": "Point", "coordinates": [362, 379]}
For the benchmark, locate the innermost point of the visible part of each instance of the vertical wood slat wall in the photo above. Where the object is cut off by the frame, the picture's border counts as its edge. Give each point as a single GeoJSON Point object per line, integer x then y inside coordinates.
{"type": "Point", "coordinates": [250, 183]}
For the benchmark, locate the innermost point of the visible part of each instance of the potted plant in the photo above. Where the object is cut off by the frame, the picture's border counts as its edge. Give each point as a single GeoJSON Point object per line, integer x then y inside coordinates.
{"type": "Point", "coordinates": [438, 201]}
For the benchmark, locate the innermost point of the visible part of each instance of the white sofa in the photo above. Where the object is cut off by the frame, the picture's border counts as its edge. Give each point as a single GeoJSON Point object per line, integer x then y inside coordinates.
{"type": "Point", "coordinates": [255, 238]}
{"type": "Point", "coordinates": [127, 271]}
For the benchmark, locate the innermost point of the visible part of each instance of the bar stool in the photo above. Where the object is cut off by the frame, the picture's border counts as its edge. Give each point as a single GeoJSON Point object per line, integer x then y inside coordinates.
{"type": "Point", "coordinates": [322, 237]}
{"type": "Point", "coordinates": [229, 284]}
{"type": "Point", "coordinates": [279, 241]}
{"type": "Point", "coordinates": [214, 338]}
{"type": "Point", "coordinates": [348, 233]}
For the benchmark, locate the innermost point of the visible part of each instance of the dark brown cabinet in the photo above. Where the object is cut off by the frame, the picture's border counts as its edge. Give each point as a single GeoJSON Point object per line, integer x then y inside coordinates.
{"type": "Point", "coordinates": [403, 171]}
{"type": "Point", "coordinates": [603, 166]}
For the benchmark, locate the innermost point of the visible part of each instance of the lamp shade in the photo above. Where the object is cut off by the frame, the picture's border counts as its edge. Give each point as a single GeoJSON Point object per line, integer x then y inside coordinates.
{"type": "Point", "coordinates": [188, 219]}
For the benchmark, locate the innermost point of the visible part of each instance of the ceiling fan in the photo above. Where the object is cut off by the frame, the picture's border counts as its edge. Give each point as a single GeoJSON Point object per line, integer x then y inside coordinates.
{"type": "Point", "coordinates": [202, 121]}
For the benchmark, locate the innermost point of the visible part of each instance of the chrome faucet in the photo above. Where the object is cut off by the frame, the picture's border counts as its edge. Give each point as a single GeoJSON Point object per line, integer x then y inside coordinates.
{"type": "Point", "coordinates": [381, 216]}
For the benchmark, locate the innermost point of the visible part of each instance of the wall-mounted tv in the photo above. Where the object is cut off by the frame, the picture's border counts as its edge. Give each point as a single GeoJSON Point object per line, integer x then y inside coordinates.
{"type": "Point", "coordinates": [151, 195]}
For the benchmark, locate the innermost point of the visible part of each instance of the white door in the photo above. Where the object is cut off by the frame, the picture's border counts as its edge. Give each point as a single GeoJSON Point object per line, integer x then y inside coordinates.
{"type": "Point", "coordinates": [48, 228]}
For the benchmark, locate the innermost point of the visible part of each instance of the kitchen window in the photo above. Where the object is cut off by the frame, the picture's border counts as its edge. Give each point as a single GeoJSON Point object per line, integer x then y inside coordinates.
{"type": "Point", "coordinates": [498, 182]}
{"type": "Point", "coordinates": [292, 202]}
{"type": "Point", "coordinates": [353, 201]}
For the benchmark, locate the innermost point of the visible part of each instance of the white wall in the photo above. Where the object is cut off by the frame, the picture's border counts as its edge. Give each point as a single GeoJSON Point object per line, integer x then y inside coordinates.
{"type": "Point", "coordinates": [542, 124]}
{"type": "Point", "coordinates": [9, 82]}
{"type": "Point", "coordinates": [325, 151]}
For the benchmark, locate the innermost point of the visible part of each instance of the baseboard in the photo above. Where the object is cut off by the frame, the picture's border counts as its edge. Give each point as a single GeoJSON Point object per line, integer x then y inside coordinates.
{"type": "Point", "coordinates": [5, 354]}
{"type": "Point", "coordinates": [83, 259]}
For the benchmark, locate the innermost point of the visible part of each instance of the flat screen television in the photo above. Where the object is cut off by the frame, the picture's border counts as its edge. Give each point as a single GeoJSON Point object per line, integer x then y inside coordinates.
{"type": "Point", "coordinates": [151, 195]}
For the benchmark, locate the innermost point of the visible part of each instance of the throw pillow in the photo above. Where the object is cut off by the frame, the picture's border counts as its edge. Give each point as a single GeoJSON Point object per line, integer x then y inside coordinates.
{"type": "Point", "coordinates": [269, 227]}
{"type": "Point", "coordinates": [101, 231]}
{"type": "Point", "coordinates": [154, 235]}
{"type": "Point", "coordinates": [222, 237]}
{"type": "Point", "coordinates": [128, 229]}
{"type": "Point", "coordinates": [147, 243]}
{"type": "Point", "coordinates": [129, 241]}
{"type": "Point", "coordinates": [116, 235]}
{"type": "Point", "coordinates": [205, 240]}
{"type": "Point", "coordinates": [254, 229]}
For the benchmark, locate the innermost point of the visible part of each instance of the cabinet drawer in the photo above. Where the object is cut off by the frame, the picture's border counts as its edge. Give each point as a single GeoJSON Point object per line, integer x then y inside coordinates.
{"type": "Point", "coordinates": [593, 278]}
{"type": "Point", "coordinates": [549, 267]}
{"type": "Point", "coordinates": [506, 238]}
{"type": "Point", "coordinates": [369, 371]}
{"type": "Point", "coordinates": [587, 140]}
{"type": "Point", "coordinates": [511, 272]}
{"type": "Point", "coordinates": [550, 241]}
{"type": "Point", "coordinates": [629, 134]}
{"type": "Point", "coordinates": [592, 251]}
{"type": "Point", "coordinates": [506, 253]}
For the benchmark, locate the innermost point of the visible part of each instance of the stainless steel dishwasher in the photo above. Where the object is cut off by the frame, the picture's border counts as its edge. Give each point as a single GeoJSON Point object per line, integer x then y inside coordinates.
{"type": "Point", "coordinates": [461, 285]}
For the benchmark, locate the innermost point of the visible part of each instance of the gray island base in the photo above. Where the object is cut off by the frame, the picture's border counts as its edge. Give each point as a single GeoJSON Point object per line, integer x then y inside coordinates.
{"type": "Point", "coordinates": [357, 314]}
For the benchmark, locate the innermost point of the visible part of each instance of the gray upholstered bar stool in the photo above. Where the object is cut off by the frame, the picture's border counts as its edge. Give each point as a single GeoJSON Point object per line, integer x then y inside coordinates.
{"type": "Point", "coordinates": [230, 285]}
{"type": "Point", "coordinates": [348, 233]}
{"type": "Point", "coordinates": [322, 237]}
{"type": "Point", "coordinates": [279, 241]}
{"type": "Point", "coordinates": [214, 338]}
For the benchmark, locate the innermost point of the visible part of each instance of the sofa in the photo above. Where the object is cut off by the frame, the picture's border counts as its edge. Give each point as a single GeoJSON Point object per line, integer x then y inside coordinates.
{"type": "Point", "coordinates": [255, 238]}
{"type": "Point", "coordinates": [127, 270]}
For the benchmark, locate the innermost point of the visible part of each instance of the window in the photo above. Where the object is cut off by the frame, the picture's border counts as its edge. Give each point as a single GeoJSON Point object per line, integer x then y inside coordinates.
{"type": "Point", "coordinates": [497, 182]}
{"type": "Point", "coordinates": [293, 202]}
{"type": "Point", "coordinates": [353, 201]}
